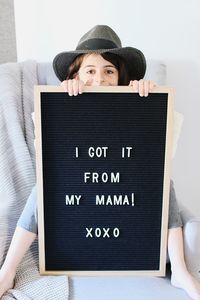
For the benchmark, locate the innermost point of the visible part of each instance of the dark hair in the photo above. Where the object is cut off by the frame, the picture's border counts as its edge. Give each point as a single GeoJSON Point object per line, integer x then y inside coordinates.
{"type": "Point", "coordinates": [115, 59]}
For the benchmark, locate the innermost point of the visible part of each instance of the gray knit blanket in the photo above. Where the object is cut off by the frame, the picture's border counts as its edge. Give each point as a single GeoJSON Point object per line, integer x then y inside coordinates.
{"type": "Point", "coordinates": [17, 177]}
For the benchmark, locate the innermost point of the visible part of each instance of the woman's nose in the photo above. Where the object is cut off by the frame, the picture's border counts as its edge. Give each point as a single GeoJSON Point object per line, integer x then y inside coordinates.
{"type": "Point", "coordinates": [99, 78]}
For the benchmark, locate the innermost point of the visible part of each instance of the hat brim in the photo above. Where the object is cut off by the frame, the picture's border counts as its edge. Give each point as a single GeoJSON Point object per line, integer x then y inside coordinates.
{"type": "Point", "coordinates": [134, 59]}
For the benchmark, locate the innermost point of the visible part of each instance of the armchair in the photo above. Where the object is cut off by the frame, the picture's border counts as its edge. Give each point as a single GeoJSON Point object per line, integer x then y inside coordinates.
{"type": "Point", "coordinates": [17, 176]}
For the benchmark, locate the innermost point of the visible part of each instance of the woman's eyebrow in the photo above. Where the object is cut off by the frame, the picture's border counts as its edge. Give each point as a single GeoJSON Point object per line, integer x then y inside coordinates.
{"type": "Point", "coordinates": [89, 66]}
{"type": "Point", "coordinates": [109, 66]}
{"type": "Point", "coordinates": [106, 66]}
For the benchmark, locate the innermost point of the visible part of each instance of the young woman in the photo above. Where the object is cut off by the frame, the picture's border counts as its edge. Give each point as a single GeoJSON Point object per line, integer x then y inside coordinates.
{"type": "Point", "coordinates": [100, 60]}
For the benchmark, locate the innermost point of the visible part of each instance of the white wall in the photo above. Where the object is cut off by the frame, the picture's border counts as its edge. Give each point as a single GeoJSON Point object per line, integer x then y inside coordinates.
{"type": "Point", "coordinates": [8, 51]}
{"type": "Point", "coordinates": [166, 30]}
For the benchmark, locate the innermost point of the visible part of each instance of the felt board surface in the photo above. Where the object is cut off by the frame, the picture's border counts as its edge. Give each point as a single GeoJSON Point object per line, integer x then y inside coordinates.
{"type": "Point", "coordinates": [115, 235]}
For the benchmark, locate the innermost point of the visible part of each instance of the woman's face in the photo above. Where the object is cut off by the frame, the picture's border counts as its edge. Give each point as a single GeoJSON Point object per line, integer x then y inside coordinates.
{"type": "Point", "coordinates": [96, 71]}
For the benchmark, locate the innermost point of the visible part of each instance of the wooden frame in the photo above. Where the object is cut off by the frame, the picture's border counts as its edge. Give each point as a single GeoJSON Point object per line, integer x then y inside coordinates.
{"type": "Point", "coordinates": [168, 153]}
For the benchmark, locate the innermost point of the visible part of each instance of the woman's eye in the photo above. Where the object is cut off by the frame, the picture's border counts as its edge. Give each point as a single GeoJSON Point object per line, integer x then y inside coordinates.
{"type": "Point", "coordinates": [109, 72]}
{"type": "Point", "coordinates": [90, 72]}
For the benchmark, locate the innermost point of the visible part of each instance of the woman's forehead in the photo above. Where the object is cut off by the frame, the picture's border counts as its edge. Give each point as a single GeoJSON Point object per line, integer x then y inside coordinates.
{"type": "Point", "coordinates": [95, 59]}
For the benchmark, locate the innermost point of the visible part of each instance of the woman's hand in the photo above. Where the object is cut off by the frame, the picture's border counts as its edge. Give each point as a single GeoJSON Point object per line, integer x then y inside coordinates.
{"type": "Point", "coordinates": [73, 86]}
{"type": "Point", "coordinates": [143, 87]}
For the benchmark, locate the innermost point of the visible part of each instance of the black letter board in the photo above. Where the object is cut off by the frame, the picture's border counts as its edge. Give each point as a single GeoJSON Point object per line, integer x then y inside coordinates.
{"type": "Point", "coordinates": [103, 173]}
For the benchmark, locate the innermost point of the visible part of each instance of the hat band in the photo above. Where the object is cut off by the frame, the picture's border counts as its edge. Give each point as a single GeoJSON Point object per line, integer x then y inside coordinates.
{"type": "Point", "coordinates": [96, 44]}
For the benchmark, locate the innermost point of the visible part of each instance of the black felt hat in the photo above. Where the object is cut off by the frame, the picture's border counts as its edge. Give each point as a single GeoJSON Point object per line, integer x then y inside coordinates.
{"type": "Point", "coordinates": [101, 39]}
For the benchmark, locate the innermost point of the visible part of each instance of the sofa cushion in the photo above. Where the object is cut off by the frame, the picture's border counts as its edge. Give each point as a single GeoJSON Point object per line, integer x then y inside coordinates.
{"type": "Point", "coordinates": [46, 75]}
{"type": "Point", "coordinates": [128, 288]}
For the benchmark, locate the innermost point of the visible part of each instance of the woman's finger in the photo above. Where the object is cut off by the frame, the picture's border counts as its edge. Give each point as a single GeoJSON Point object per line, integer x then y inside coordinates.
{"type": "Point", "coordinates": [70, 87]}
{"type": "Point", "coordinates": [141, 87]}
{"type": "Point", "coordinates": [146, 88]}
{"type": "Point", "coordinates": [64, 85]}
{"type": "Point", "coordinates": [75, 85]}
{"type": "Point", "coordinates": [81, 86]}
{"type": "Point", "coordinates": [134, 85]}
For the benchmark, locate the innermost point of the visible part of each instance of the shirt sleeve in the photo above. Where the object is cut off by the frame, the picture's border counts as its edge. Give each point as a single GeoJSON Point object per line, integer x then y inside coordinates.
{"type": "Point", "coordinates": [28, 218]}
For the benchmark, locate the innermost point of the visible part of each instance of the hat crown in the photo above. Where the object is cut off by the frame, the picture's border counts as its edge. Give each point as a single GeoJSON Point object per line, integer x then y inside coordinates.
{"type": "Point", "coordinates": [101, 33]}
